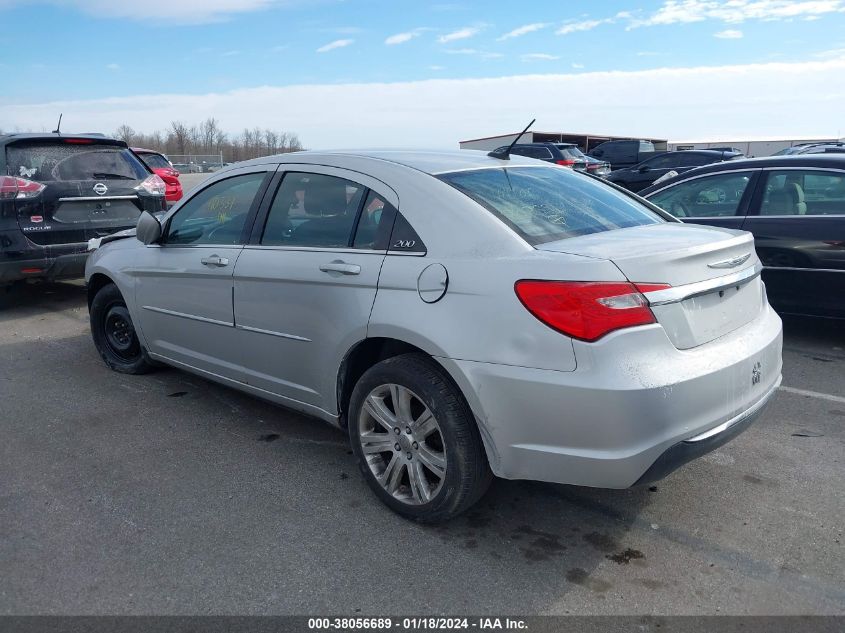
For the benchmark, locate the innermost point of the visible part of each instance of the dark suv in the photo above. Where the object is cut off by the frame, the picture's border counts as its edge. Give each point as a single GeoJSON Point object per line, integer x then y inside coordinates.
{"type": "Point", "coordinates": [59, 191]}
{"type": "Point", "coordinates": [565, 154]}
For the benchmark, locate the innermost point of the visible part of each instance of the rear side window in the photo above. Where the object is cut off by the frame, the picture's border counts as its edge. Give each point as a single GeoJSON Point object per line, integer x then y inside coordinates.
{"type": "Point", "coordinates": [46, 162]}
{"type": "Point", "coordinates": [544, 204]}
{"type": "Point", "coordinates": [155, 161]}
{"type": "Point", "coordinates": [799, 192]}
{"type": "Point", "coordinates": [313, 210]}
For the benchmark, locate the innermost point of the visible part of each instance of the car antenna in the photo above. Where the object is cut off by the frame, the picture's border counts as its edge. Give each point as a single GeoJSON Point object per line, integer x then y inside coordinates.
{"type": "Point", "coordinates": [506, 154]}
{"type": "Point", "coordinates": [58, 125]}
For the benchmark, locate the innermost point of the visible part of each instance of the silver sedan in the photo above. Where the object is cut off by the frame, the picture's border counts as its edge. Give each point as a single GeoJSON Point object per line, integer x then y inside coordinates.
{"type": "Point", "coordinates": [460, 315]}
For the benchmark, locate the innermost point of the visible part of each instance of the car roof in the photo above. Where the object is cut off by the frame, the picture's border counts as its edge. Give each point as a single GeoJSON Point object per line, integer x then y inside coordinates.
{"type": "Point", "coordinates": [428, 161]}
{"type": "Point", "coordinates": [833, 161]}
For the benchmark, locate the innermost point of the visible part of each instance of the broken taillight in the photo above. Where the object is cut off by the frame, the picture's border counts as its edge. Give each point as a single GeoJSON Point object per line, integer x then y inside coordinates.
{"type": "Point", "coordinates": [13, 188]}
{"type": "Point", "coordinates": [153, 185]}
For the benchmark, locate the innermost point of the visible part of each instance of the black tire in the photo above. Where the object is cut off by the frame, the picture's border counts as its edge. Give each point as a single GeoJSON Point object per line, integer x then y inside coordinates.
{"type": "Point", "coordinates": [467, 472]}
{"type": "Point", "coordinates": [114, 334]}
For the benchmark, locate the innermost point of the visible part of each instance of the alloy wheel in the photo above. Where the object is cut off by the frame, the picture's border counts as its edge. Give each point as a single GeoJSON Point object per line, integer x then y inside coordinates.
{"type": "Point", "coordinates": [402, 443]}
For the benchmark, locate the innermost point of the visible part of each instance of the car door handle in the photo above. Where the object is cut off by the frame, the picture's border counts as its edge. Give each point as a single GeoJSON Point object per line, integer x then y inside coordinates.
{"type": "Point", "coordinates": [341, 267]}
{"type": "Point", "coordinates": [215, 260]}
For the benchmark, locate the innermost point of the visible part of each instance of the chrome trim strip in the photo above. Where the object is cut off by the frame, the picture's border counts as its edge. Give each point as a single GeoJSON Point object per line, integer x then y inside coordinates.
{"type": "Point", "coordinates": [808, 270]}
{"type": "Point", "coordinates": [272, 333]}
{"type": "Point", "coordinates": [193, 317]}
{"type": "Point", "coordinates": [680, 293]}
{"type": "Point", "coordinates": [737, 418]}
{"type": "Point", "coordinates": [98, 198]}
{"type": "Point", "coordinates": [314, 249]}
{"type": "Point", "coordinates": [488, 167]}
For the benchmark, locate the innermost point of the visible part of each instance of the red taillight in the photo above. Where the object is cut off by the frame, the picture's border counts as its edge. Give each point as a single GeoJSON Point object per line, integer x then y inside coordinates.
{"type": "Point", "coordinates": [153, 185]}
{"type": "Point", "coordinates": [565, 163]}
{"type": "Point", "coordinates": [12, 188]}
{"type": "Point", "coordinates": [79, 141]}
{"type": "Point", "coordinates": [587, 310]}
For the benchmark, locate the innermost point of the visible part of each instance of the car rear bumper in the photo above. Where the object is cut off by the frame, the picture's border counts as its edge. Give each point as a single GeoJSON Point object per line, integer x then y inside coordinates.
{"type": "Point", "coordinates": [618, 419]}
{"type": "Point", "coordinates": [50, 262]}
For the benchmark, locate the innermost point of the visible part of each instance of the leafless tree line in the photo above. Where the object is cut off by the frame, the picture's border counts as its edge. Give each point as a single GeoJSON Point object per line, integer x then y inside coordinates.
{"type": "Point", "coordinates": [208, 138]}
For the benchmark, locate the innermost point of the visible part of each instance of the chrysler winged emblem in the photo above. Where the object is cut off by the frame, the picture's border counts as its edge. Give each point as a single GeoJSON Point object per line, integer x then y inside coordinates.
{"type": "Point", "coordinates": [756, 373]}
{"type": "Point", "coordinates": [730, 263]}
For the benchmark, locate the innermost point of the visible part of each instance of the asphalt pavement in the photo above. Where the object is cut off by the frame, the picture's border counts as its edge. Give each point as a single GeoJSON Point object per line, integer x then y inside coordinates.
{"type": "Point", "coordinates": [168, 494]}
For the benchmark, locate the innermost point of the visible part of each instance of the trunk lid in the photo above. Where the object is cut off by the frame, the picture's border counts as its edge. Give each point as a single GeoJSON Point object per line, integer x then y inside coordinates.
{"type": "Point", "coordinates": [713, 274]}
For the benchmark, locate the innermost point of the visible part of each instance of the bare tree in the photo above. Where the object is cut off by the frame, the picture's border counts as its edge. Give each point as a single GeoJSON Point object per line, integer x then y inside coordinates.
{"type": "Point", "coordinates": [181, 136]}
{"type": "Point", "coordinates": [125, 133]}
{"type": "Point", "coordinates": [208, 137]}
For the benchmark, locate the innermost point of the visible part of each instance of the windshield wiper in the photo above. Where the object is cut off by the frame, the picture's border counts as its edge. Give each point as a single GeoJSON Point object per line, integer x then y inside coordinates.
{"type": "Point", "coordinates": [107, 176]}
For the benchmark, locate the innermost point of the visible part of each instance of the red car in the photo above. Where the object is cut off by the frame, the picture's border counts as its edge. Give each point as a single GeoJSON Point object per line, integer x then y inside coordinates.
{"type": "Point", "coordinates": [160, 165]}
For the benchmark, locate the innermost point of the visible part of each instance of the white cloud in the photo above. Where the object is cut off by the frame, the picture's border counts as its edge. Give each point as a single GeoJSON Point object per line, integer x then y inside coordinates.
{"type": "Point", "coordinates": [167, 12]}
{"type": "Point", "coordinates": [435, 67]}
{"type": "Point", "coordinates": [736, 11]}
{"type": "Point", "coordinates": [400, 38]}
{"type": "Point", "coordinates": [113, 66]}
{"type": "Point", "coordinates": [577, 66]}
{"type": "Point", "coordinates": [538, 57]}
{"type": "Point", "coordinates": [460, 34]}
{"type": "Point", "coordinates": [661, 103]}
{"type": "Point", "coordinates": [523, 30]}
{"type": "Point", "coordinates": [574, 27]}
{"type": "Point", "coordinates": [473, 51]}
{"type": "Point", "coordinates": [333, 45]}
{"type": "Point", "coordinates": [589, 25]}
{"type": "Point", "coordinates": [728, 34]}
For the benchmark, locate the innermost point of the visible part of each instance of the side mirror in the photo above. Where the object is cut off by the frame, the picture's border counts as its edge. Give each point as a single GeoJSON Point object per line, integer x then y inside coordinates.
{"type": "Point", "coordinates": [148, 230]}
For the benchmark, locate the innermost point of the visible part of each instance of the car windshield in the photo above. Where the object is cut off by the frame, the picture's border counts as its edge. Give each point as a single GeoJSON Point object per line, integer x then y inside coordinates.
{"type": "Point", "coordinates": [45, 162]}
{"type": "Point", "coordinates": [544, 204]}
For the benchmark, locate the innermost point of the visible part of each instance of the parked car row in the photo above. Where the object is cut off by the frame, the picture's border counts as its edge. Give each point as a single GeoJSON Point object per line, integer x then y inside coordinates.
{"type": "Point", "coordinates": [794, 206]}
{"type": "Point", "coordinates": [563, 154]}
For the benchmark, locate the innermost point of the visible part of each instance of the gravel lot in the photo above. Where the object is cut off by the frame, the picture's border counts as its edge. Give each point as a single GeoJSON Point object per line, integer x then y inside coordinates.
{"type": "Point", "coordinates": [166, 494]}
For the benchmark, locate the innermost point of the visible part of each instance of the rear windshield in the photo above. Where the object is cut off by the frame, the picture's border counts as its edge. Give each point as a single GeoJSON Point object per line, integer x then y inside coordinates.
{"type": "Point", "coordinates": [570, 151]}
{"type": "Point", "coordinates": [45, 162]}
{"type": "Point", "coordinates": [155, 161]}
{"type": "Point", "coordinates": [544, 204]}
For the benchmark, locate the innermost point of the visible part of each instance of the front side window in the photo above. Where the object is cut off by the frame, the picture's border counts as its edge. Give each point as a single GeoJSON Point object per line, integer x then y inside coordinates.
{"type": "Point", "coordinates": [708, 197]}
{"type": "Point", "coordinates": [544, 204]}
{"type": "Point", "coordinates": [313, 210]}
{"type": "Point", "coordinates": [217, 214]}
{"type": "Point", "coordinates": [800, 192]}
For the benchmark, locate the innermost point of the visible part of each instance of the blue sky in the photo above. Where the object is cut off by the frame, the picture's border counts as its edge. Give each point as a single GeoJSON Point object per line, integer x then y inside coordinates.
{"type": "Point", "coordinates": [77, 50]}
